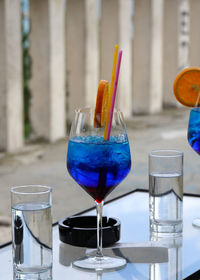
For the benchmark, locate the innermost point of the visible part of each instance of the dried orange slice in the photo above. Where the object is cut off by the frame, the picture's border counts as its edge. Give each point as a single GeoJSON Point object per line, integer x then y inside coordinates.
{"type": "Point", "coordinates": [187, 86]}
{"type": "Point", "coordinates": [101, 103]}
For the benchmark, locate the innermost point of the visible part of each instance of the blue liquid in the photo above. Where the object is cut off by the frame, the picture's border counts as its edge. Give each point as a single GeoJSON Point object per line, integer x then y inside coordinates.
{"type": "Point", "coordinates": [194, 130]}
{"type": "Point", "coordinates": [98, 166]}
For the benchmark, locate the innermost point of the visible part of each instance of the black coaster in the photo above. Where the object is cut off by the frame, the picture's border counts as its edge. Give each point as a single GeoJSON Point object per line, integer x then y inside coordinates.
{"type": "Point", "coordinates": [82, 231]}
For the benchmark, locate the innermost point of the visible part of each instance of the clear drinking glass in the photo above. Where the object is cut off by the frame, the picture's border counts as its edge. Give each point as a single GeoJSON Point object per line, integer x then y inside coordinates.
{"type": "Point", "coordinates": [165, 191]}
{"type": "Point", "coordinates": [31, 231]}
{"type": "Point", "coordinates": [98, 166]}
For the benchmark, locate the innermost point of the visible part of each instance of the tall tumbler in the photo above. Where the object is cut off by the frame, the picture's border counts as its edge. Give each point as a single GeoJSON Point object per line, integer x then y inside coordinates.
{"type": "Point", "coordinates": [165, 191]}
{"type": "Point", "coordinates": [31, 231]}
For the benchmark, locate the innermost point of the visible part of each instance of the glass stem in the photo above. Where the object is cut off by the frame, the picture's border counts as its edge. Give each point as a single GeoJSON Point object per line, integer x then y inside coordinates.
{"type": "Point", "coordinates": [99, 208]}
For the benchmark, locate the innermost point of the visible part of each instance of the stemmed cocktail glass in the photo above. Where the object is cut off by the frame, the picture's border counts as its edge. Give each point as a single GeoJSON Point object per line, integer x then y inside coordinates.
{"type": "Point", "coordinates": [98, 166]}
{"type": "Point", "coordinates": [194, 138]}
{"type": "Point", "coordinates": [186, 89]}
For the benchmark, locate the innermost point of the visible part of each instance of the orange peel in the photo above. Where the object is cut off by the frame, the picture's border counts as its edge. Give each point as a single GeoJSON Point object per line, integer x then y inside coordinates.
{"type": "Point", "coordinates": [101, 103]}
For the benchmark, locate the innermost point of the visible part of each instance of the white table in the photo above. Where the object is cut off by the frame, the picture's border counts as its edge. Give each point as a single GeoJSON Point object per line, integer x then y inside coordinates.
{"type": "Point", "coordinates": [175, 259]}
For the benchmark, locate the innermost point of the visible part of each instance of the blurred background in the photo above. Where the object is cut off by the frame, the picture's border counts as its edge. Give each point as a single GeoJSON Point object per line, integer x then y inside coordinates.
{"type": "Point", "coordinates": [53, 54]}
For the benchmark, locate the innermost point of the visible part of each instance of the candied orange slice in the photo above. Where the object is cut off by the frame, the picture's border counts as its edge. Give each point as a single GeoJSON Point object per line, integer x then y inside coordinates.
{"type": "Point", "coordinates": [187, 86]}
{"type": "Point", "coordinates": [101, 103]}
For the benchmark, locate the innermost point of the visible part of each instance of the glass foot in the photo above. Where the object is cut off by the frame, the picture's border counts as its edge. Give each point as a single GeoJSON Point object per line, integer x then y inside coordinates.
{"type": "Point", "coordinates": [100, 263]}
{"type": "Point", "coordinates": [196, 222]}
{"type": "Point", "coordinates": [45, 275]}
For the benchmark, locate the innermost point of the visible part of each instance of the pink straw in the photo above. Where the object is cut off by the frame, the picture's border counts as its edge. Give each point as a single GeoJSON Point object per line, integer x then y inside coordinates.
{"type": "Point", "coordinates": [114, 95]}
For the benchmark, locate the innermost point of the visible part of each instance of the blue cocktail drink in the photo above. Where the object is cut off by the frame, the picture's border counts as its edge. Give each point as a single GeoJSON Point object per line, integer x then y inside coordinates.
{"type": "Point", "coordinates": [97, 165]}
{"type": "Point", "coordinates": [194, 139]}
{"type": "Point", "coordinates": [194, 129]}
{"type": "Point", "coordinates": [186, 89]}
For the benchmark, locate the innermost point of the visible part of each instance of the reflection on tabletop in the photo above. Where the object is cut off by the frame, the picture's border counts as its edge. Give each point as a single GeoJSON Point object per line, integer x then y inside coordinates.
{"type": "Point", "coordinates": [173, 269]}
{"type": "Point", "coordinates": [163, 256]}
{"type": "Point", "coordinates": [147, 252]}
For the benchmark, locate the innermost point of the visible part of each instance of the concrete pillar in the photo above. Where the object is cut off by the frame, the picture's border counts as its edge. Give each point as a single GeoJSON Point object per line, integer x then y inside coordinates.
{"type": "Point", "coordinates": [82, 48]}
{"type": "Point", "coordinates": [147, 56]}
{"type": "Point", "coordinates": [183, 36]}
{"type": "Point", "coordinates": [11, 92]}
{"type": "Point", "coordinates": [48, 69]}
{"type": "Point", "coordinates": [194, 53]}
{"type": "Point", "coordinates": [116, 29]}
{"type": "Point", "coordinates": [75, 56]}
{"type": "Point", "coordinates": [92, 52]}
{"type": "Point", "coordinates": [170, 50]}
{"type": "Point", "coordinates": [109, 36]}
{"type": "Point", "coordinates": [125, 78]}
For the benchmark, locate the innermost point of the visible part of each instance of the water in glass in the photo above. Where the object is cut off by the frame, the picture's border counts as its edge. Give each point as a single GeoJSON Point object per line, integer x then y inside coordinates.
{"type": "Point", "coordinates": [165, 192]}
{"type": "Point", "coordinates": [32, 237]}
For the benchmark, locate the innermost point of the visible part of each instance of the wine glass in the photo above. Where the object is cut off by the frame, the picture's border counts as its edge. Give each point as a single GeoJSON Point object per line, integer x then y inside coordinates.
{"type": "Point", "coordinates": [194, 139]}
{"type": "Point", "coordinates": [98, 166]}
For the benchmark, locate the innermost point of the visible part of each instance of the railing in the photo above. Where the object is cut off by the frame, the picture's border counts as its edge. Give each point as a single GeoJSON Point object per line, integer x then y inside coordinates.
{"type": "Point", "coordinates": [71, 48]}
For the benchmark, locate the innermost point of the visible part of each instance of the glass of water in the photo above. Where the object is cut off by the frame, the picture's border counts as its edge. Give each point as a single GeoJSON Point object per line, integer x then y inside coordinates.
{"type": "Point", "coordinates": [165, 191]}
{"type": "Point", "coordinates": [31, 231]}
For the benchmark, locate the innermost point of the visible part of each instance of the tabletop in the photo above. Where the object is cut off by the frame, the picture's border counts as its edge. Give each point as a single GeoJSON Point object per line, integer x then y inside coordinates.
{"type": "Point", "coordinates": [166, 258]}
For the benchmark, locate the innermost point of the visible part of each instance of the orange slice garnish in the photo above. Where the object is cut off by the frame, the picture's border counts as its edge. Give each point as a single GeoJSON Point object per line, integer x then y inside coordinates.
{"type": "Point", "coordinates": [187, 86]}
{"type": "Point", "coordinates": [101, 103]}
